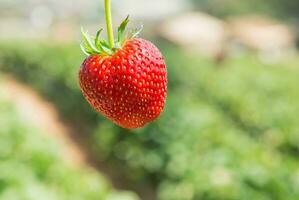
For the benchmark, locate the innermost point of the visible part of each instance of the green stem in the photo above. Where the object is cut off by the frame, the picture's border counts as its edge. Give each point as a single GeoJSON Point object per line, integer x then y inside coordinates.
{"type": "Point", "coordinates": [109, 23]}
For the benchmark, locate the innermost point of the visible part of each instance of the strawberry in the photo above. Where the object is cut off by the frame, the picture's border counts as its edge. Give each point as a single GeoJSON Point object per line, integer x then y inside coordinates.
{"type": "Point", "coordinates": [126, 81]}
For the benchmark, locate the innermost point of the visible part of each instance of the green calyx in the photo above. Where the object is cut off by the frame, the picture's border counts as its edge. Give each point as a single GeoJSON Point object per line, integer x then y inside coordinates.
{"type": "Point", "coordinates": [95, 45]}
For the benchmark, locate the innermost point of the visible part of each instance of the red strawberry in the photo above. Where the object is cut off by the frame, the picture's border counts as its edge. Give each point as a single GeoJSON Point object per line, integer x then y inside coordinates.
{"type": "Point", "coordinates": [127, 84]}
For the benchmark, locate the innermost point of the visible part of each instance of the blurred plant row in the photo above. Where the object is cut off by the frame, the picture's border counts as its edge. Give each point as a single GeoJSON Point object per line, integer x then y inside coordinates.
{"type": "Point", "coordinates": [32, 167]}
{"type": "Point", "coordinates": [229, 131]}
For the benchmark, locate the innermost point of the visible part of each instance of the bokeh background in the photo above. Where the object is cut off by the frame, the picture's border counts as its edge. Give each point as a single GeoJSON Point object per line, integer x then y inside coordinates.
{"type": "Point", "coordinates": [230, 127]}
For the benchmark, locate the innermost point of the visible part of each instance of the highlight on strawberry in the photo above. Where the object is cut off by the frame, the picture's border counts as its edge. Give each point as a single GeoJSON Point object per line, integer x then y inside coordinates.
{"type": "Point", "coordinates": [124, 79]}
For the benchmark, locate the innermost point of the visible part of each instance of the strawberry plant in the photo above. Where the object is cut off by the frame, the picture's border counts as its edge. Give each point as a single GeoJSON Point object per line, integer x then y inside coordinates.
{"type": "Point", "coordinates": [232, 135]}
{"type": "Point", "coordinates": [32, 166]}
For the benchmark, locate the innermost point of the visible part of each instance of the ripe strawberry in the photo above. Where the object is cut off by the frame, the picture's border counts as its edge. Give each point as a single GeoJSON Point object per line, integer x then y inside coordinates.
{"type": "Point", "coordinates": [126, 83]}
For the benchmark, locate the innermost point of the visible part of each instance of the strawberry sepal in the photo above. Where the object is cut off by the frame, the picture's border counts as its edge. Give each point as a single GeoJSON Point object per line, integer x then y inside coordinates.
{"type": "Point", "coordinates": [94, 45]}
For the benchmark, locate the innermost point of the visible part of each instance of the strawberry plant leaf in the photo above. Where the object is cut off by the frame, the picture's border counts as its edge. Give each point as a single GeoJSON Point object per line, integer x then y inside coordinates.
{"type": "Point", "coordinates": [136, 32]}
{"type": "Point", "coordinates": [121, 31]}
{"type": "Point", "coordinates": [102, 45]}
{"type": "Point", "coordinates": [97, 39]}
{"type": "Point", "coordinates": [106, 48]}
{"type": "Point", "coordinates": [89, 44]}
{"type": "Point", "coordinates": [85, 51]}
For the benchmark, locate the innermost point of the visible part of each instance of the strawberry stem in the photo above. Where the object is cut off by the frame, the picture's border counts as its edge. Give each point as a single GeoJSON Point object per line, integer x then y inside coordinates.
{"type": "Point", "coordinates": [109, 23]}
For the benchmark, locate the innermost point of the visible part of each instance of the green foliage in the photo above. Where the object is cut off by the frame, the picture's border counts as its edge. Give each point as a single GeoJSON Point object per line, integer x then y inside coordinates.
{"type": "Point", "coordinates": [32, 168]}
{"type": "Point", "coordinates": [228, 131]}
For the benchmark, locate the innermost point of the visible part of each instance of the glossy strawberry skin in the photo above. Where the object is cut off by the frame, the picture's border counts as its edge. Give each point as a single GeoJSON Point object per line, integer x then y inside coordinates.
{"type": "Point", "coordinates": [128, 87]}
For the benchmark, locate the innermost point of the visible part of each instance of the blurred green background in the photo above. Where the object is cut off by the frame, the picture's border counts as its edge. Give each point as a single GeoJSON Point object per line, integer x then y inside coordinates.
{"type": "Point", "coordinates": [229, 130]}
